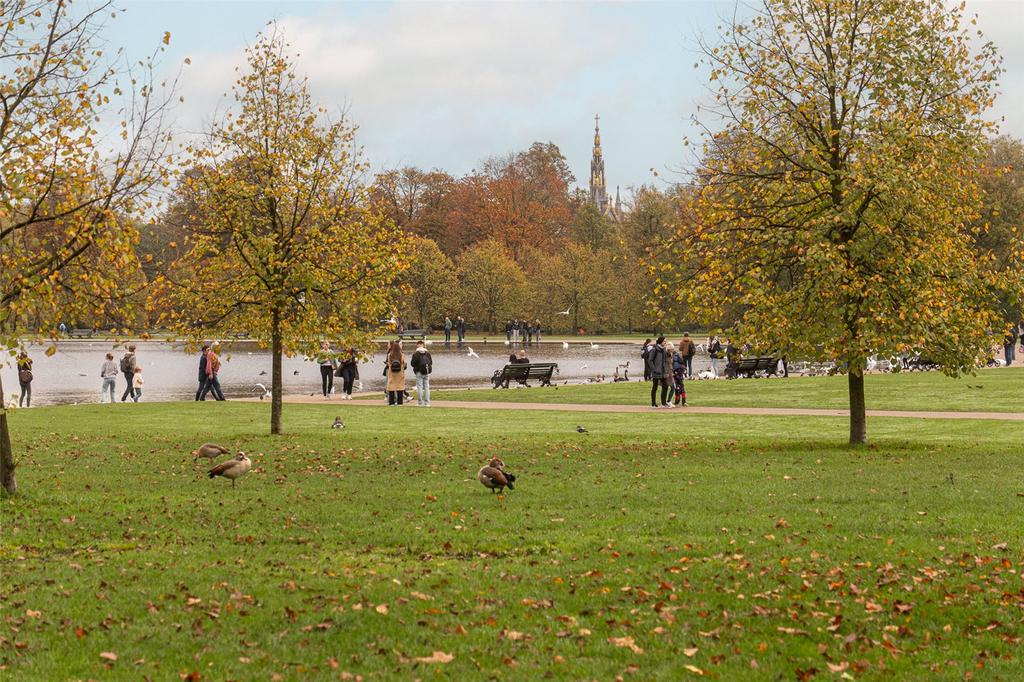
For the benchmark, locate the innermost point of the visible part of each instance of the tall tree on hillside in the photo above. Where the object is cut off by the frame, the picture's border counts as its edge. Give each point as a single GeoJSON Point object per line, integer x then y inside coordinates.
{"type": "Point", "coordinates": [285, 244]}
{"type": "Point", "coordinates": [432, 284]}
{"type": "Point", "coordinates": [69, 194]}
{"type": "Point", "coordinates": [491, 283]}
{"type": "Point", "coordinates": [834, 204]}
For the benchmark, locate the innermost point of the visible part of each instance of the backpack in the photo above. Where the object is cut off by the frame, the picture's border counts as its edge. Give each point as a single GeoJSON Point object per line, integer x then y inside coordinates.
{"type": "Point", "coordinates": [126, 363]}
{"type": "Point", "coordinates": [645, 351]}
{"type": "Point", "coordinates": [396, 366]}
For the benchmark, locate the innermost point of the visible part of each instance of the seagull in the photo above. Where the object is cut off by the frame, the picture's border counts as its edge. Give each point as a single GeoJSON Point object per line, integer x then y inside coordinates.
{"type": "Point", "coordinates": [263, 373]}
{"type": "Point", "coordinates": [471, 353]}
{"type": "Point", "coordinates": [565, 345]}
{"type": "Point", "coordinates": [264, 392]}
{"type": "Point", "coordinates": [209, 450]}
{"type": "Point", "coordinates": [359, 385]}
{"type": "Point", "coordinates": [564, 312]}
{"type": "Point", "coordinates": [391, 320]}
{"type": "Point", "coordinates": [338, 424]}
{"type": "Point", "coordinates": [580, 429]}
{"type": "Point", "coordinates": [584, 366]}
{"type": "Point", "coordinates": [233, 468]}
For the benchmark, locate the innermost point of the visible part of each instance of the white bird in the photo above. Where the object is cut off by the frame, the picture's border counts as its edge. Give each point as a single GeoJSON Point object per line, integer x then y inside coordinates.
{"type": "Point", "coordinates": [506, 342]}
{"type": "Point", "coordinates": [429, 342]}
{"type": "Point", "coordinates": [594, 346]}
{"type": "Point", "coordinates": [564, 312]}
{"type": "Point", "coordinates": [359, 385]}
{"type": "Point", "coordinates": [471, 353]}
{"type": "Point", "coordinates": [872, 363]}
{"type": "Point", "coordinates": [584, 366]}
{"type": "Point", "coordinates": [233, 468]}
{"type": "Point", "coordinates": [391, 320]}
{"type": "Point", "coordinates": [705, 374]}
{"type": "Point", "coordinates": [264, 393]}
{"type": "Point", "coordinates": [565, 345]}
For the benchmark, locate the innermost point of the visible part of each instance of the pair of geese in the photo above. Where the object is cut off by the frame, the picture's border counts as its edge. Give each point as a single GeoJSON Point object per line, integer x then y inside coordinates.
{"type": "Point", "coordinates": [492, 476]}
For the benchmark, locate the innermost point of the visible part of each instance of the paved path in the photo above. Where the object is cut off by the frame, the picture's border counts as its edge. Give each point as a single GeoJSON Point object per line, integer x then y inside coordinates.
{"type": "Point", "coordinates": [755, 411]}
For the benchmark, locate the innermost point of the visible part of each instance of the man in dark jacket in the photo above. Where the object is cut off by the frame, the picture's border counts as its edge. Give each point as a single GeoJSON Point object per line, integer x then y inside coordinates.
{"type": "Point", "coordinates": [128, 364]}
{"type": "Point", "coordinates": [661, 372]}
{"type": "Point", "coordinates": [422, 366]}
{"type": "Point", "coordinates": [202, 370]}
{"type": "Point", "coordinates": [1010, 345]}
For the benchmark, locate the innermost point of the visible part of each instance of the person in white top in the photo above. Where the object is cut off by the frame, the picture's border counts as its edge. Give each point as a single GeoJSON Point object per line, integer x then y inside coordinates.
{"type": "Point", "coordinates": [137, 384]}
{"type": "Point", "coordinates": [109, 373]}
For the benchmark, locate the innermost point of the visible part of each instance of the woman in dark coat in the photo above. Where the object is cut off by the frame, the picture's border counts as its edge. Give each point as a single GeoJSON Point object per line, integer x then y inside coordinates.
{"type": "Point", "coordinates": [349, 372]}
{"type": "Point", "coordinates": [661, 372]}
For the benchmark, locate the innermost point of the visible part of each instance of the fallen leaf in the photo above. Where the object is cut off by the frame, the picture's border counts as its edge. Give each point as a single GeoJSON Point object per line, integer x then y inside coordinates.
{"type": "Point", "coordinates": [381, 609]}
{"type": "Point", "coordinates": [421, 596]}
{"type": "Point", "coordinates": [108, 656]}
{"type": "Point", "coordinates": [436, 657]}
{"type": "Point", "coordinates": [694, 669]}
{"type": "Point", "coordinates": [1001, 545]}
{"type": "Point", "coordinates": [691, 652]}
{"type": "Point", "coordinates": [626, 643]}
{"type": "Point", "coordinates": [792, 631]}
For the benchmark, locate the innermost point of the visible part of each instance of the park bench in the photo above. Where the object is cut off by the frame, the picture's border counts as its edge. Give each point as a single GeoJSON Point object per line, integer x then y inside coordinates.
{"type": "Point", "coordinates": [81, 333]}
{"type": "Point", "coordinates": [412, 334]}
{"type": "Point", "coordinates": [237, 335]}
{"type": "Point", "coordinates": [523, 372]}
{"type": "Point", "coordinates": [748, 367]}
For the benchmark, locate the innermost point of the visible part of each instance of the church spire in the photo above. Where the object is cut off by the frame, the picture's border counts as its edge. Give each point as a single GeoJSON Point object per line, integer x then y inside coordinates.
{"type": "Point", "coordinates": [598, 193]}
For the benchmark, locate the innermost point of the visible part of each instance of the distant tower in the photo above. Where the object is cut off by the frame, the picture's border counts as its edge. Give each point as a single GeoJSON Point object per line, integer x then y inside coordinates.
{"type": "Point", "coordinates": [598, 194]}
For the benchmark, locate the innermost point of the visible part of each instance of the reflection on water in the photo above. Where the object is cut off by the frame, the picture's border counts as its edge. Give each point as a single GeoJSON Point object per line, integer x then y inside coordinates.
{"type": "Point", "coordinates": [72, 374]}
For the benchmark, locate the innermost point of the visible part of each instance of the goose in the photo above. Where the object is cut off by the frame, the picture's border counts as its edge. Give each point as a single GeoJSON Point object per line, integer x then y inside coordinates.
{"type": "Point", "coordinates": [338, 424]}
{"type": "Point", "coordinates": [471, 353]}
{"type": "Point", "coordinates": [580, 429]}
{"type": "Point", "coordinates": [233, 468]}
{"type": "Point", "coordinates": [209, 451]}
{"type": "Point", "coordinates": [264, 393]}
{"type": "Point", "coordinates": [493, 476]}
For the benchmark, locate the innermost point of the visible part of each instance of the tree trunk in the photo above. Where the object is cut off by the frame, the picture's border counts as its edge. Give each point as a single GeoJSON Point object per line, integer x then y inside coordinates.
{"type": "Point", "coordinates": [6, 452]}
{"type": "Point", "coordinates": [858, 414]}
{"type": "Point", "coordinates": [276, 387]}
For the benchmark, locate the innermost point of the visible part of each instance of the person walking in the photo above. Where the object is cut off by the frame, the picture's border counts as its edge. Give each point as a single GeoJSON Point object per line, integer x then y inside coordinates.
{"type": "Point", "coordinates": [422, 366]}
{"type": "Point", "coordinates": [1010, 345]}
{"type": "Point", "coordinates": [447, 330]}
{"type": "Point", "coordinates": [687, 349]}
{"type": "Point", "coordinates": [348, 370]}
{"type": "Point", "coordinates": [137, 382]}
{"type": "Point", "coordinates": [109, 372]}
{"type": "Point", "coordinates": [204, 351]}
{"type": "Point", "coordinates": [212, 370]}
{"type": "Point", "coordinates": [645, 355]}
{"type": "Point", "coordinates": [328, 364]}
{"type": "Point", "coordinates": [536, 331]}
{"type": "Point", "coordinates": [460, 327]}
{"type": "Point", "coordinates": [25, 376]}
{"type": "Point", "coordinates": [128, 365]}
{"type": "Point", "coordinates": [395, 373]}
{"type": "Point", "coordinates": [715, 353]}
{"type": "Point", "coordinates": [661, 372]}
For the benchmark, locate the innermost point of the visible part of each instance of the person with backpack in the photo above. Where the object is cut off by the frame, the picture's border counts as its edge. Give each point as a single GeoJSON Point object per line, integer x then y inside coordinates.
{"type": "Point", "coordinates": [128, 364]}
{"type": "Point", "coordinates": [715, 353]}
{"type": "Point", "coordinates": [108, 372]}
{"type": "Point", "coordinates": [645, 355]}
{"type": "Point", "coordinates": [661, 372]}
{"type": "Point", "coordinates": [212, 370]}
{"type": "Point", "coordinates": [348, 371]}
{"type": "Point", "coordinates": [447, 330]}
{"type": "Point", "coordinates": [395, 373]}
{"type": "Point", "coordinates": [25, 377]}
{"type": "Point", "coordinates": [203, 352]}
{"type": "Point", "coordinates": [687, 349]}
{"type": "Point", "coordinates": [678, 375]}
{"type": "Point", "coordinates": [422, 366]}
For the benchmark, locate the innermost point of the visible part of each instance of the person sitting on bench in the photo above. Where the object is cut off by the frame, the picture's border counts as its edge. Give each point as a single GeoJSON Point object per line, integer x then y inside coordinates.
{"type": "Point", "coordinates": [519, 358]}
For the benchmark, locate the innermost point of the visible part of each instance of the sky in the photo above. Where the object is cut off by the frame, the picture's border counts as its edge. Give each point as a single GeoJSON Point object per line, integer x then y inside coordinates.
{"type": "Point", "coordinates": [447, 85]}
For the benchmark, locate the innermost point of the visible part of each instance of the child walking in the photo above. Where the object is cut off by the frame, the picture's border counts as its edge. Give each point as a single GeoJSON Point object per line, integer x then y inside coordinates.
{"type": "Point", "coordinates": [137, 384]}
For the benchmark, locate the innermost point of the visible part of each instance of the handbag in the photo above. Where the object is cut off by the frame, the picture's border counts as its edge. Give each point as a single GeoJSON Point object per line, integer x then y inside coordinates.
{"type": "Point", "coordinates": [25, 376]}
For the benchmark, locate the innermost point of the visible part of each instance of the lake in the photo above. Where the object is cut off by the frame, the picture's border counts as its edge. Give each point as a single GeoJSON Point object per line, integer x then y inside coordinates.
{"type": "Point", "coordinates": [72, 374]}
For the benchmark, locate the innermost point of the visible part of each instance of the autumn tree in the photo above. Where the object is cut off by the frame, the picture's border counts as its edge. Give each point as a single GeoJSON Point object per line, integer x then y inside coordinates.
{"type": "Point", "coordinates": [415, 200]}
{"type": "Point", "coordinates": [575, 278]}
{"type": "Point", "coordinates": [493, 286]}
{"type": "Point", "coordinates": [285, 245]}
{"type": "Point", "coordinates": [431, 283]}
{"type": "Point", "coordinates": [1000, 224]}
{"type": "Point", "coordinates": [70, 193]}
{"type": "Point", "coordinates": [836, 194]}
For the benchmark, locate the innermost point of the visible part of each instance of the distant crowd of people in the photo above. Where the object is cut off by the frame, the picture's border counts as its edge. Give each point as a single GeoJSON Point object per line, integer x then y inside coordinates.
{"type": "Point", "coordinates": [517, 331]}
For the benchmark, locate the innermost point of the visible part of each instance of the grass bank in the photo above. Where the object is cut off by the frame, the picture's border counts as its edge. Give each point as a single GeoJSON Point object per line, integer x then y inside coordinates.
{"type": "Point", "coordinates": [990, 390]}
{"type": "Point", "coordinates": [727, 547]}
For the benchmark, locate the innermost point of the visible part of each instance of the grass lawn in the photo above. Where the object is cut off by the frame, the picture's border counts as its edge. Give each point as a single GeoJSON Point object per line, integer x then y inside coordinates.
{"type": "Point", "coordinates": [990, 390]}
{"type": "Point", "coordinates": [653, 548]}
